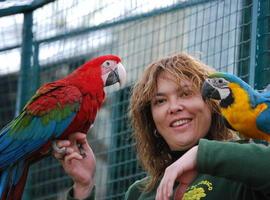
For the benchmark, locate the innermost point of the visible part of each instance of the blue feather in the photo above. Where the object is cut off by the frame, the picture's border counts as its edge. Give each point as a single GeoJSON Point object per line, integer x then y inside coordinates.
{"type": "Point", "coordinates": [17, 145]}
{"type": "Point", "coordinates": [3, 180]}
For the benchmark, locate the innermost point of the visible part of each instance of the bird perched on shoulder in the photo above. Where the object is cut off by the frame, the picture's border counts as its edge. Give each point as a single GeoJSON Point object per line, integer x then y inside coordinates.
{"type": "Point", "coordinates": [57, 110]}
{"type": "Point", "coordinates": [244, 109]}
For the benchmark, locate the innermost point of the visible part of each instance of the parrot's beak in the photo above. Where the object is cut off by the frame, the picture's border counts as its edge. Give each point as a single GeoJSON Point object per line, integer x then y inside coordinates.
{"type": "Point", "coordinates": [209, 92]}
{"type": "Point", "coordinates": [118, 74]}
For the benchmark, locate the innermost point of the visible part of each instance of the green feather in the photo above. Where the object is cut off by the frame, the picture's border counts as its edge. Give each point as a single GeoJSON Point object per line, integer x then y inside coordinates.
{"type": "Point", "coordinates": [66, 112]}
{"type": "Point", "coordinates": [59, 113]}
{"type": "Point", "coordinates": [21, 122]}
{"type": "Point", "coordinates": [45, 119]}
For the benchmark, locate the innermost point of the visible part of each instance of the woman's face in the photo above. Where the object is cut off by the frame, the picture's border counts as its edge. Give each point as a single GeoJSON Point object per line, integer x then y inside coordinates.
{"type": "Point", "coordinates": [180, 114]}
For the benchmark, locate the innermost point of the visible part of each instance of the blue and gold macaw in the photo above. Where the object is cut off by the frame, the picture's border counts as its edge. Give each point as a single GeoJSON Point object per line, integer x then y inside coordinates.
{"type": "Point", "coordinates": [244, 109]}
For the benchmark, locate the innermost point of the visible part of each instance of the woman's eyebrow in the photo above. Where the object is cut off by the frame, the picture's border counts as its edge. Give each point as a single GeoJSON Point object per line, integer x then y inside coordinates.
{"type": "Point", "coordinates": [184, 87]}
{"type": "Point", "coordinates": [160, 94]}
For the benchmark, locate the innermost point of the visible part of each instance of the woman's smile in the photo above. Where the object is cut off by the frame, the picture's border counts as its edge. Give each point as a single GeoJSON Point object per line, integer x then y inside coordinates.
{"type": "Point", "coordinates": [180, 122]}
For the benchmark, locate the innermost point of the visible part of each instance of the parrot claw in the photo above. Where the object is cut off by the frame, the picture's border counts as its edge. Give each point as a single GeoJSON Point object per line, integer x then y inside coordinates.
{"type": "Point", "coordinates": [92, 126]}
{"type": "Point", "coordinates": [81, 149]}
{"type": "Point", "coordinates": [62, 151]}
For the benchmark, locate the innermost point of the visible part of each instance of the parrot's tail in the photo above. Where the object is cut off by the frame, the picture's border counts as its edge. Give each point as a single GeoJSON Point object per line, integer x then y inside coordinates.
{"type": "Point", "coordinates": [12, 181]}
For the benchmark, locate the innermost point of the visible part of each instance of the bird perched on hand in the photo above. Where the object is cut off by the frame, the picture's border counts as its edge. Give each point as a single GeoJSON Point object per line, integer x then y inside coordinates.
{"type": "Point", "coordinates": [57, 110]}
{"type": "Point", "coordinates": [244, 109]}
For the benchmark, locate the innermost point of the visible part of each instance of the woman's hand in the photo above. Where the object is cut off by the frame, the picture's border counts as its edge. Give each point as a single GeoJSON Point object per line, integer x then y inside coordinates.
{"type": "Point", "coordinates": [81, 168]}
{"type": "Point", "coordinates": [183, 170]}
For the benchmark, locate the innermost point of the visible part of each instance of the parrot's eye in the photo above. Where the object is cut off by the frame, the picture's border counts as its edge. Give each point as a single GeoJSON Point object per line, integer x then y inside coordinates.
{"type": "Point", "coordinates": [220, 81]}
{"type": "Point", "coordinates": [107, 63]}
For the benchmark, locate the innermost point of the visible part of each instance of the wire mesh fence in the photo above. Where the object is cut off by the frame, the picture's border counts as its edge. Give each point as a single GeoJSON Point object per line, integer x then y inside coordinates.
{"type": "Point", "coordinates": [230, 35]}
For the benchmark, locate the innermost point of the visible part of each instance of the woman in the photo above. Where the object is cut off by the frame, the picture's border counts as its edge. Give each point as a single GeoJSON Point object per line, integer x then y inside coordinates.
{"type": "Point", "coordinates": [175, 133]}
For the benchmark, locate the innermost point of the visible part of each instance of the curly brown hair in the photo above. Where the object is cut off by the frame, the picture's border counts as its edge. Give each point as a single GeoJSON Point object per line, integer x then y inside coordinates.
{"type": "Point", "coordinates": [153, 152]}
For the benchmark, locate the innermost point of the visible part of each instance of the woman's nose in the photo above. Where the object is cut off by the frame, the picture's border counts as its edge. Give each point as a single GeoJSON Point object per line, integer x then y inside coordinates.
{"type": "Point", "coordinates": [175, 108]}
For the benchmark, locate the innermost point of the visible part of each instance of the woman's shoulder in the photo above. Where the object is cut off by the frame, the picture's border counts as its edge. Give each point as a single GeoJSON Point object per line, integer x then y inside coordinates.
{"type": "Point", "coordinates": [252, 141]}
{"type": "Point", "coordinates": [137, 190]}
{"type": "Point", "coordinates": [140, 184]}
{"type": "Point", "coordinates": [238, 141]}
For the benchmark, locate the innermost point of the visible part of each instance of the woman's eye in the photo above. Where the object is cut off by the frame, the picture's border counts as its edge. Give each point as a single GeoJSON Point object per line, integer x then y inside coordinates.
{"type": "Point", "coordinates": [186, 93]}
{"type": "Point", "coordinates": [159, 101]}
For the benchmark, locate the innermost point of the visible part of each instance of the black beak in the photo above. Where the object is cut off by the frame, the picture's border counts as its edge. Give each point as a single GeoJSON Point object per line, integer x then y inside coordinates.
{"type": "Point", "coordinates": [112, 78]}
{"type": "Point", "coordinates": [209, 92]}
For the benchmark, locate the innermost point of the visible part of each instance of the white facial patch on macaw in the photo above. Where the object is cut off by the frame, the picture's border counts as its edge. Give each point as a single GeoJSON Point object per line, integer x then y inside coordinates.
{"type": "Point", "coordinates": [111, 71]}
{"type": "Point", "coordinates": [223, 92]}
{"type": "Point", "coordinates": [221, 85]}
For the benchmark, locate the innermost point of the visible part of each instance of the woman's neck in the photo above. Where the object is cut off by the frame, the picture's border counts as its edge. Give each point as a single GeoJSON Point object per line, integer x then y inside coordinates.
{"type": "Point", "coordinates": [177, 154]}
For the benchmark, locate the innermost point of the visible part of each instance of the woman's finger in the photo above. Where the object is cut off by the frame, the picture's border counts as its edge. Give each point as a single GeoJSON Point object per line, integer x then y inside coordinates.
{"type": "Point", "coordinates": [62, 143]}
{"type": "Point", "coordinates": [169, 188]}
{"type": "Point", "coordinates": [158, 192]}
{"type": "Point", "coordinates": [80, 140]}
{"type": "Point", "coordinates": [180, 191]}
{"type": "Point", "coordinates": [74, 155]}
{"type": "Point", "coordinates": [78, 136]}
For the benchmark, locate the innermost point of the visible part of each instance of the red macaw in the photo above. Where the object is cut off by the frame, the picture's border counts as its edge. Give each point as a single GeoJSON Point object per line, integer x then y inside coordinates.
{"type": "Point", "coordinates": [57, 110]}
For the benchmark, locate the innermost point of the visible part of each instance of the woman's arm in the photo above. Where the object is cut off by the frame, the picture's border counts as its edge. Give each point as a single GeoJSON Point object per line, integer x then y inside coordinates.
{"type": "Point", "coordinates": [80, 168]}
{"type": "Point", "coordinates": [183, 170]}
{"type": "Point", "coordinates": [246, 163]}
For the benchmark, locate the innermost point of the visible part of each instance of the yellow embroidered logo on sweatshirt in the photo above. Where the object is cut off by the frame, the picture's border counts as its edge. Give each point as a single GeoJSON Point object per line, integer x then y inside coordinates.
{"type": "Point", "coordinates": [198, 191]}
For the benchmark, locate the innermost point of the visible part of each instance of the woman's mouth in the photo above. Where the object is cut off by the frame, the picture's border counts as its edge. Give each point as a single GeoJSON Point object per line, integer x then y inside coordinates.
{"type": "Point", "coordinates": [180, 122]}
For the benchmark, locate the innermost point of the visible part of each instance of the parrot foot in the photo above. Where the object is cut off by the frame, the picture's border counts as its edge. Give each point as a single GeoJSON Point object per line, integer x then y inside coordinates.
{"type": "Point", "coordinates": [62, 151]}
{"type": "Point", "coordinates": [81, 149]}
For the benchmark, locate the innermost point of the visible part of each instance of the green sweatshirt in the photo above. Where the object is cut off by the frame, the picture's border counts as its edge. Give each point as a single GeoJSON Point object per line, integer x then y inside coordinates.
{"type": "Point", "coordinates": [227, 170]}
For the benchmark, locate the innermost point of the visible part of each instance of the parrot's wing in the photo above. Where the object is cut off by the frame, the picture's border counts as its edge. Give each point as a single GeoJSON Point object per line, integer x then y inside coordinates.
{"type": "Point", "coordinates": [266, 94]}
{"type": "Point", "coordinates": [261, 103]}
{"type": "Point", "coordinates": [258, 98]}
{"type": "Point", "coordinates": [45, 117]}
{"type": "Point", "coordinates": [263, 118]}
